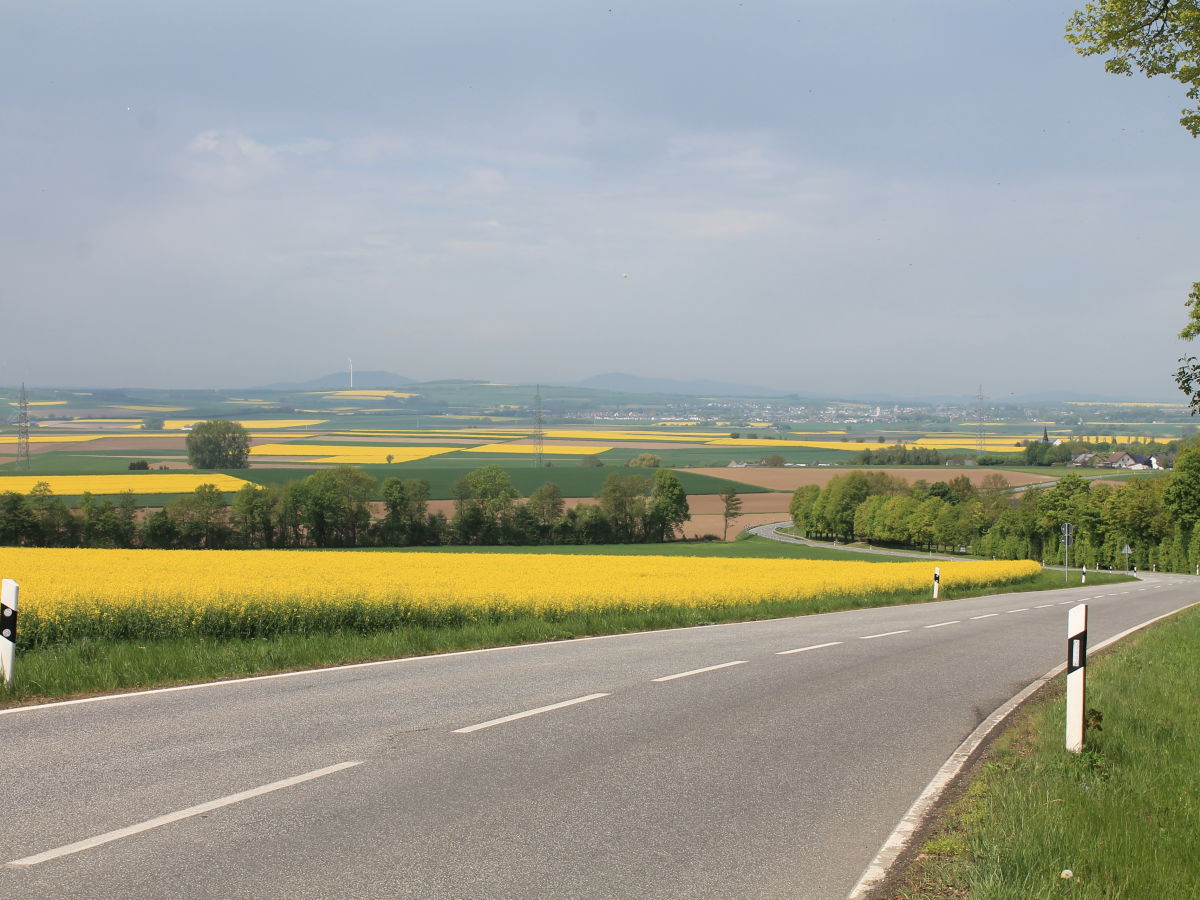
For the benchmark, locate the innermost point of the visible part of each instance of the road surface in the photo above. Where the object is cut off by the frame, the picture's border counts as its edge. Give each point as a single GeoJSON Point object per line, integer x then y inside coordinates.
{"type": "Point", "coordinates": [764, 759]}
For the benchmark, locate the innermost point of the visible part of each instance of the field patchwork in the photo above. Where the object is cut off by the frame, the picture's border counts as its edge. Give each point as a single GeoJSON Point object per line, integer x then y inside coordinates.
{"type": "Point", "coordinates": [173, 424]}
{"type": "Point", "coordinates": [568, 450]}
{"type": "Point", "coordinates": [52, 438]}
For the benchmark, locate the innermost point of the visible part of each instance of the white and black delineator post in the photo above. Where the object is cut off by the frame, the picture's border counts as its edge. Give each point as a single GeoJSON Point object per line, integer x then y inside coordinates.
{"type": "Point", "coordinates": [8, 628]}
{"type": "Point", "coordinates": [937, 580]}
{"type": "Point", "coordinates": [1076, 675]}
{"type": "Point", "coordinates": [1083, 579]}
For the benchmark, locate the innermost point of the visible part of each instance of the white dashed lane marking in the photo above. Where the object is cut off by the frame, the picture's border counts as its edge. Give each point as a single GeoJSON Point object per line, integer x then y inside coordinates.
{"type": "Point", "coordinates": [811, 647]}
{"type": "Point", "coordinates": [737, 662]}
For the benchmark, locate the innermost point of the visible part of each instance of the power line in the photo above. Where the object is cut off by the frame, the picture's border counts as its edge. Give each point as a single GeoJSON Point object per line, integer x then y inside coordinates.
{"type": "Point", "coordinates": [23, 431]}
{"type": "Point", "coordinates": [539, 429]}
{"type": "Point", "coordinates": [980, 434]}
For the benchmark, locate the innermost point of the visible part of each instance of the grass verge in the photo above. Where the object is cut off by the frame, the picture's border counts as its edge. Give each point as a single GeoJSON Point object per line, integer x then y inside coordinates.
{"type": "Point", "coordinates": [92, 666]}
{"type": "Point", "coordinates": [1120, 820]}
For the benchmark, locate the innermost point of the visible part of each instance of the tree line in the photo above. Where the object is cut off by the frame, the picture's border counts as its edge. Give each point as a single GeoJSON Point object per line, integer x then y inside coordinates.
{"type": "Point", "coordinates": [1042, 453]}
{"type": "Point", "coordinates": [333, 508]}
{"type": "Point", "coordinates": [1155, 517]}
{"type": "Point", "coordinates": [1033, 453]}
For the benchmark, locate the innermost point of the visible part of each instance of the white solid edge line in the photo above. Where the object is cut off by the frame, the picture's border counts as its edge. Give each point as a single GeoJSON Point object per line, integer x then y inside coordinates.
{"type": "Point", "coordinates": [736, 662]}
{"type": "Point", "coordinates": [811, 647]}
{"type": "Point", "coordinates": [940, 624]}
{"type": "Point", "coordinates": [867, 637]}
{"type": "Point", "coordinates": [327, 670]}
{"type": "Point", "coordinates": [167, 819]}
{"type": "Point", "coordinates": [528, 713]}
{"type": "Point", "coordinates": [903, 833]}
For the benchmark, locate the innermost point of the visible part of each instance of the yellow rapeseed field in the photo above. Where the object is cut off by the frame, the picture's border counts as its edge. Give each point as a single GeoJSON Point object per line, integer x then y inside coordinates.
{"type": "Point", "coordinates": [69, 593]}
{"type": "Point", "coordinates": [603, 434]}
{"type": "Point", "coordinates": [566, 449]}
{"type": "Point", "coordinates": [767, 443]}
{"type": "Point", "coordinates": [52, 438]}
{"type": "Point", "coordinates": [364, 394]}
{"type": "Point", "coordinates": [350, 454]}
{"type": "Point", "coordinates": [150, 483]}
{"type": "Point", "coordinates": [1126, 403]}
{"type": "Point", "coordinates": [174, 424]}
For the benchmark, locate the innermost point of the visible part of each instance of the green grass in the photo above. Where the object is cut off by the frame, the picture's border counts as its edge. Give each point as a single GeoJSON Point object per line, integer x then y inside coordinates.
{"type": "Point", "coordinates": [106, 463]}
{"type": "Point", "coordinates": [752, 547]}
{"type": "Point", "coordinates": [1123, 816]}
{"type": "Point", "coordinates": [90, 666]}
{"type": "Point", "coordinates": [573, 479]}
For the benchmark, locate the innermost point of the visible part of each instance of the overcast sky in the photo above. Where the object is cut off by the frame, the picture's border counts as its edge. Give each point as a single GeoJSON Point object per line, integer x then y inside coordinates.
{"type": "Point", "coordinates": [823, 197]}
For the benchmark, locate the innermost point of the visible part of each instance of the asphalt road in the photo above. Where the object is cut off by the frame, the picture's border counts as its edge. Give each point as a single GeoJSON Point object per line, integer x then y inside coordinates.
{"type": "Point", "coordinates": [772, 774]}
{"type": "Point", "coordinates": [772, 532]}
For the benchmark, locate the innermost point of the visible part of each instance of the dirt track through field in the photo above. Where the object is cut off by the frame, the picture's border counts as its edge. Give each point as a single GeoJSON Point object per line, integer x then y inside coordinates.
{"type": "Point", "coordinates": [788, 479]}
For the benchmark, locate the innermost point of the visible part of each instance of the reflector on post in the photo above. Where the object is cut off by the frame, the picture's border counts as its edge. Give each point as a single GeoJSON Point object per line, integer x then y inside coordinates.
{"type": "Point", "coordinates": [8, 628]}
{"type": "Point", "coordinates": [1076, 675]}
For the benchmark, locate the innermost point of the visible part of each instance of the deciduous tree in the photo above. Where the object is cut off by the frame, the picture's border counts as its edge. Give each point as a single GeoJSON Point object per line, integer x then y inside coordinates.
{"type": "Point", "coordinates": [218, 444]}
{"type": "Point", "coordinates": [731, 507]}
{"type": "Point", "coordinates": [1155, 37]}
{"type": "Point", "coordinates": [669, 504]}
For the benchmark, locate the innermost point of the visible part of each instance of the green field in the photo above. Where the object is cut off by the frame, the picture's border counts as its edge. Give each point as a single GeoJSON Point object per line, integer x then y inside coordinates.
{"type": "Point", "coordinates": [574, 480]}
{"type": "Point", "coordinates": [748, 547]}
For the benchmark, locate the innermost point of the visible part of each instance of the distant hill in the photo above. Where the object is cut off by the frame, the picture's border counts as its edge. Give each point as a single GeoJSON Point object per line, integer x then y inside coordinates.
{"type": "Point", "coordinates": [636, 384]}
{"type": "Point", "coordinates": [339, 381]}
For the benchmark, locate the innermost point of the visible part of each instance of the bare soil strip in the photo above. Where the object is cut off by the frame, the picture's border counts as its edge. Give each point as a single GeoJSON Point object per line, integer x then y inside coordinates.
{"type": "Point", "coordinates": [757, 509]}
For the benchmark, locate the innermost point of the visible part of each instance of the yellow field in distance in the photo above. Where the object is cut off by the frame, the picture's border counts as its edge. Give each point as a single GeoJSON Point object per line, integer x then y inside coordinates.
{"type": "Point", "coordinates": [152, 483]}
{"type": "Point", "coordinates": [599, 434]}
{"type": "Point", "coordinates": [363, 395]}
{"type": "Point", "coordinates": [350, 454]}
{"type": "Point", "coordinates": [249, 423]}
{"type": "Point", "coordinates": [1134, 403]}
{"type": "Point", "coordinates": [457, 435]}
{"type": "Point", "coordinates": [768, 443]}
{"type": "Point", "coordinates": [563, 449]}
{"type": "Point", "coordinates": [52, 438]}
